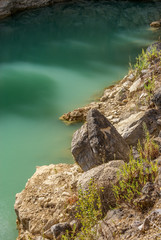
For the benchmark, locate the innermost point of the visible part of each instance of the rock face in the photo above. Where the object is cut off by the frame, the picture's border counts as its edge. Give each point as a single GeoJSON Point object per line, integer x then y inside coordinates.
{"type": "Point", "coordinates": [8, 7]}
{"type": "Point", "coordinates": [47, 199]}
{"type": "Point", "coordinates": [104, 176]}
{"type": "Point", "coordinates": [97, 142]}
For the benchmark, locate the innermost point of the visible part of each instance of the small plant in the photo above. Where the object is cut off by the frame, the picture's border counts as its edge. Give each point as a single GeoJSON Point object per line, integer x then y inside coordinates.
{"type": "Point", "coordinates": [149, 88]}
{"type": "Point", "coordinates": [135, 174]}
{"type": "Point", "coordinates": [145, 58]}
{"type": "Point", "coordinates": [88, 212]}
{"type": "Point", "coordinates": [150, 149]}
{"type": "Point", "coordinates": [141, 61]}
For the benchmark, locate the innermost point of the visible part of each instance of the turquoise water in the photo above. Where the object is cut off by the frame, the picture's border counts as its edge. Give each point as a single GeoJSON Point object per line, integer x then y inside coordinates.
{"type": "Point", "coordinates": [53, 60]}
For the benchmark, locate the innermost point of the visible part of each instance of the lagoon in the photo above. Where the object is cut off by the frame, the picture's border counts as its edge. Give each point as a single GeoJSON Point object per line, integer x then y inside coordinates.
{"type": "Point", "coordinates": [52, 60]}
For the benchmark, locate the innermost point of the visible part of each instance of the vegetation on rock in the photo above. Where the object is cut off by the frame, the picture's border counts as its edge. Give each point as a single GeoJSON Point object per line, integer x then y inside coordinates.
{"type": "Point", "coordinates": [135, 174]}
{"type": "Point", "coordinates": [145, 58]}
{"type": "Point", "coordinates": [88, 212]}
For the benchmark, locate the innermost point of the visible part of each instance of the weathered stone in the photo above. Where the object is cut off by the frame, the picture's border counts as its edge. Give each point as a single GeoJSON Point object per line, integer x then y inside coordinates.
{"type": "Point", "coordinates": [78, 115]}
{"type": "Point", "coordinates": [59, 229]}
{"type": "Point", "coordinates": [132, 129]}
{"type": "Point", "coordinates": [131, 77]}
{"type": "Point", "coordinates": [121, 95]}
{"type": "Point", "coordinates": [104, 176]}
{"type": "Point", "coordinates": [40, 238]}
{"type": "Point", "coordinates": [148, 198]}
{"type": "Point", "coordinates": [155, 215]}
{"type": "Point", "coordinates": [97, 142]}
{"type": "Point", "coordinates": [157, 98]}
{"type": "Point", "coordinates": [113, 226]}
{"type": "Point", "coordinates": [145, 226]}
{"type": "Point", "coordinates": [137, 85]}
{"type": "Point", "coordinates": [41, 204]}
{"type": "Point", "coordinates": [156, 24]}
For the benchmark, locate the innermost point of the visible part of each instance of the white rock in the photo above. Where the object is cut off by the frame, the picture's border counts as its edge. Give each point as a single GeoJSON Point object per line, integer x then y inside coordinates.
{"type": "Point", "coordinates": [136, 86]}
{"type": "Point", "coordinates": [131, 77]}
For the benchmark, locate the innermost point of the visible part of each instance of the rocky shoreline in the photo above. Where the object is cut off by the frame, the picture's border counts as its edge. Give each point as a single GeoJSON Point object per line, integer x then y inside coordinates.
{"type": "Point", "coordinates": [46, 207]}
{"type": "Point", "coordinates": [10, 7]}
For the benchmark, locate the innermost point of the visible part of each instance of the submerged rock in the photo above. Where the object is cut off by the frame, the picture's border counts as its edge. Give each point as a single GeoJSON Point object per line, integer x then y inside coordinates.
{"type": "Point", "coordinates": [97, 142]}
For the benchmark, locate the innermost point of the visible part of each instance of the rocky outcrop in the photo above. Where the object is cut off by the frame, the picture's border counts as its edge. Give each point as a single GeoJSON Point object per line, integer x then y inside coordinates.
{"type": "Point", "coordinates": [97, 142]}
{"type": "Point", "coordinates": [129, 96]}
{"type": "Point", "coordinates": [46, 207]}
{"type": "Point", "coordinates": [156, 24]}
{"type": "Point", "coordinates": [47, 199]}
{"type": "Point", "coordinates": [132, 128]}
{"type": "Point", "coordinates": [104, 177]}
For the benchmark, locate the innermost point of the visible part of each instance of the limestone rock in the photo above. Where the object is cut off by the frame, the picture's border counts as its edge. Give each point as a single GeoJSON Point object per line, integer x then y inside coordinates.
{"type": "Point", "coordinates": [42, 203]}
{"type": "Point", "coordinates": [97, 142]}
{"type": "Point", "coordinates": [156, 24]}
{"type": "Point", "coordinates": [137, 85]}
{"type": "Point", "coordinates": [104, 176]}
{"type": "Point", "coordinates": [78, 115]}
{"type": "Point", "coordinates": [131, 128]}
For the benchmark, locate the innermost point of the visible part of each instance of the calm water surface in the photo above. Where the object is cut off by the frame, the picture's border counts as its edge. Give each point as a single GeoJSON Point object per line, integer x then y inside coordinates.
{"type": "Point", "coordinates": [53, 60]}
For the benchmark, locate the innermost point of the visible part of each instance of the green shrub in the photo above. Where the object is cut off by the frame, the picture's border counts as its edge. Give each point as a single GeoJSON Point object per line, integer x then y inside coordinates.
{"type": "Point", "coordinates": [135, 174]}
{"type": "Point", "coordinates": [144, 59]}
{"type": "Point", "coordinates": [149, 88]}
{"type": "Point", "coordinates": [88, 212]}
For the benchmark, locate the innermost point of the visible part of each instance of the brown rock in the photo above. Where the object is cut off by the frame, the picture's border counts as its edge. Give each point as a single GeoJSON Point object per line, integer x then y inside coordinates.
{"type": "Point", "coordinates": [131, 129]}
{"type": "Point", "coordinates": [156, 24]}
{"type": "Point", "coordinates": [42, 203]}
{"type": "Point", "coordinates": [97, 142]}
{"type": "Point", "coordinates": [104, 176]}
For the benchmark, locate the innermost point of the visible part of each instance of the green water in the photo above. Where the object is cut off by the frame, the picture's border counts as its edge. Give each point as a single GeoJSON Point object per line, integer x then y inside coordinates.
{"type": "Point", "coordinates": [53, 60]}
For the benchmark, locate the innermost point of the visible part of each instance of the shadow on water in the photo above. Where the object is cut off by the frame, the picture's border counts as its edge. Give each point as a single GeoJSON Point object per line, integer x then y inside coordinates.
{"type": "Point", "coordinates": [25, 92]}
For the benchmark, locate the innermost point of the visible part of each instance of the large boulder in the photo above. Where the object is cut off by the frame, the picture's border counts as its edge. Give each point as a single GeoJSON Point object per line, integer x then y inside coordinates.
{"type": "Point", "coordinates": [131, 129]}
{"type": "Point", "coordinates": [97, 142]}
{"type": "Point", "coordinates": [104, 177]}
